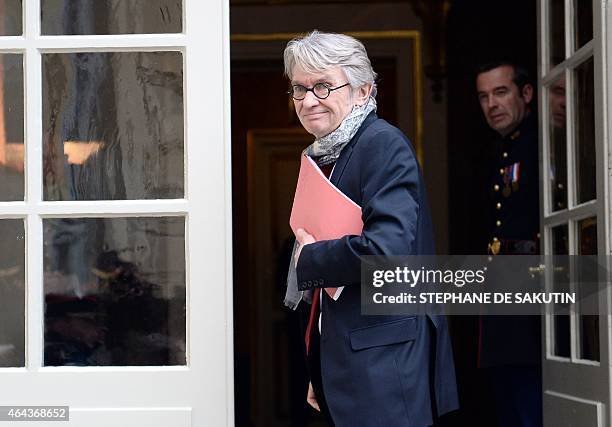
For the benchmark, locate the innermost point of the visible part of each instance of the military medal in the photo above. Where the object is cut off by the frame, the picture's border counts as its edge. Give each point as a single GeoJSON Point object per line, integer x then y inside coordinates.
{"type": "Point", "coordinates": [511, 179]}
{"type": "Point", "coordinates": [507, 178]}
{"type": "Point", "coordinates": [515, 176]}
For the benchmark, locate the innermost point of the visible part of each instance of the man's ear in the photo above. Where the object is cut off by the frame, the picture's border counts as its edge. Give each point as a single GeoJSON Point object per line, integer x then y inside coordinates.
{"type": "Point", "coordinates": [362, 94]}
{"type": "Point", "coordinates": [527, 93]}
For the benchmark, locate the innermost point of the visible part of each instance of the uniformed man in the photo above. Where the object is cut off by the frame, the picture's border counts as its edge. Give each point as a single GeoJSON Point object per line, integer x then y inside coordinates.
{"type": "Point", "coordinates": [509, 346]}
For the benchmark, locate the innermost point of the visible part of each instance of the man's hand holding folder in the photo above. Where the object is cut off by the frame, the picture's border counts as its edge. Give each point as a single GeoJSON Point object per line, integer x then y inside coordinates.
{"type": "Point", "coordinates": [322, 210]}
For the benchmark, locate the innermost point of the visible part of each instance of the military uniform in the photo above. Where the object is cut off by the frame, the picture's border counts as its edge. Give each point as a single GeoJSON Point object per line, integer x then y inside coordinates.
{"type": "Point", "coordinates": [514, 210]}
{"type": "Point", "coordinates": [509, 346]}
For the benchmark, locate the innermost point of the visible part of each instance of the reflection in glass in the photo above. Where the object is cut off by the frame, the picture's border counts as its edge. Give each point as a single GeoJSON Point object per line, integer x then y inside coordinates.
{"type": "Point", "coordinates": [558, 147]}
{"type": "Point", "coordinates": [10, 18]}
{"type": "Point", "coordinates": [81, 17]}
{"type": "Point", "coordinates": [587, 277]}
{"type": "Point", "coordinates": [561, 322]}
{"type": "Point", "coordinates": [11, 127]}
{"type": "Point", "coordinates": [12, 293]}
{"type": "Point", "coordinates": [114, 291]}
{"type": "Point", "coordinates": [113, 125]}
{"type": "Point", "coordinates": [585, 132]}
{"type": "Point", "coordinates": [583, 12]}
{"type": "Point", "coordinates": [557, 31]}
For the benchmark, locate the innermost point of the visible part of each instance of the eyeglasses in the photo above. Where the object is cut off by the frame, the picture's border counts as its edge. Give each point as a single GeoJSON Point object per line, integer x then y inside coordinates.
{"type": "Point", "coordinates": [320, 90]}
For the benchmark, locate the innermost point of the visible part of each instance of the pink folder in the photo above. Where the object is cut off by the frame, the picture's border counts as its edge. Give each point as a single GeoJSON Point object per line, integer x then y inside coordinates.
{"type": "Point", "coordinates": [321, 209]}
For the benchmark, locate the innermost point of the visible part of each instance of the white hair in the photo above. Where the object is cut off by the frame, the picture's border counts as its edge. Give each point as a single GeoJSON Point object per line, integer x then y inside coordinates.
{"type": "Point", "coordinates": [316, 52]}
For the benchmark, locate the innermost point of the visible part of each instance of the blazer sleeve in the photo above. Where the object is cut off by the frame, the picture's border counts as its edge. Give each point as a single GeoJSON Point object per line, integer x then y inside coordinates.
{"type": "Point", "coordinates": [388, 178]}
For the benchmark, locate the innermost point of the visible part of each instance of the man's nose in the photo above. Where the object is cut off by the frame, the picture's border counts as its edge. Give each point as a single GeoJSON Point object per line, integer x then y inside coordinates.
{"type": "Point", "coordinates": [491, 101]}
{"type": "Point", "coordinates": [310, 100]}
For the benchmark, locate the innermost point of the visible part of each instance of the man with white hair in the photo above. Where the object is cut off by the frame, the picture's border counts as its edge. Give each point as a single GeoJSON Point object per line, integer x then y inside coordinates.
{"type": "Point", "coordinates": [364, 370]}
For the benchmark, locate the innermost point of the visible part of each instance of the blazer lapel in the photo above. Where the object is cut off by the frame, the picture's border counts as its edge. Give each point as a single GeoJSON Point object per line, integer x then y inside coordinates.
{"type": "Point", "coordinates": [347, 151]}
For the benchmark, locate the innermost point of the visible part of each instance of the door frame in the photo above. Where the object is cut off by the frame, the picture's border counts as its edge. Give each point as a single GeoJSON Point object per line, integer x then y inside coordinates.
{"type": "Point", "coordinates": [576, 390]}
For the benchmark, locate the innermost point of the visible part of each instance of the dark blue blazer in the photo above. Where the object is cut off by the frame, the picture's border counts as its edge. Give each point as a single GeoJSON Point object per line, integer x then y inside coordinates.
{"type": "Point", "coordinates": [379, 370]}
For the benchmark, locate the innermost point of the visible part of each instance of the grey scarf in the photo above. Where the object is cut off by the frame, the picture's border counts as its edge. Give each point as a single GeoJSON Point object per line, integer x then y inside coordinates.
{"type": "Point", "coordinates": [324, 151]}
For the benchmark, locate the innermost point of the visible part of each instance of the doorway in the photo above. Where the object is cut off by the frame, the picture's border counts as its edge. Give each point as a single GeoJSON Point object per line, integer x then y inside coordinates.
{"type": "Point", "coordinates": [455, 146]}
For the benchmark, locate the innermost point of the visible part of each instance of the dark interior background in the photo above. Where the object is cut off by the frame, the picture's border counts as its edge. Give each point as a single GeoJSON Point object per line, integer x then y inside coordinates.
{"type": "Point", "coordinates": [478, 31]}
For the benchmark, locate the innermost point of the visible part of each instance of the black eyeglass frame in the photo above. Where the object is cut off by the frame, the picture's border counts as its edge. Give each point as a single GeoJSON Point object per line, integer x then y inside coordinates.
{"type": "Point", "coordinates": [291, 91]}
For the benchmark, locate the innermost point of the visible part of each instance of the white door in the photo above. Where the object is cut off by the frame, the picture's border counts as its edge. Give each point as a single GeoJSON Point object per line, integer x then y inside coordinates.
{"type": "Point", "coordinates": [574, 209]}
{"type": "Point", "coordinates": [115, 262]}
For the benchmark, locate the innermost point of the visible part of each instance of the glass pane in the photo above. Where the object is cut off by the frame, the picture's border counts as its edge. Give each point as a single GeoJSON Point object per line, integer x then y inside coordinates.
{"type": "Point", "coordinates": [12, 293]}
{"type": "Point", "coordinates": [75, 17]}
{"type": "Point", "coordinates": [113, 125]}
{"type": "Point", "coordinates": [10, 18]}
{"type": "Point", "coordinates": [557, 31]}
{"type": "Point", "coordinates": [114, 291]}
{"type": "Point", "coordinates": [561, 322]}
{"type": "Point", "coordinates": [11, 127]}
{"type": "Point", "coordinates": [584, 102]}
{"type": "Point", "coordinates": [583, 12]}
{"type": "Point", "coordinates": [587, 275]}
{"type": "Point", "coordinates": [587, 236]}
{"type": "Point", "coordinates": [558, 147]}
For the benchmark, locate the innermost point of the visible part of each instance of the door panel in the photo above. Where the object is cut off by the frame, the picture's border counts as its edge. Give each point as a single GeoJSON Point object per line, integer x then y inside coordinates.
{"type": "Point", "coordinates": [564, 410]}
{"type": "Point", "coordinates": [115, 262]}
{"type": "Point", "coordinates": [574, 209]}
